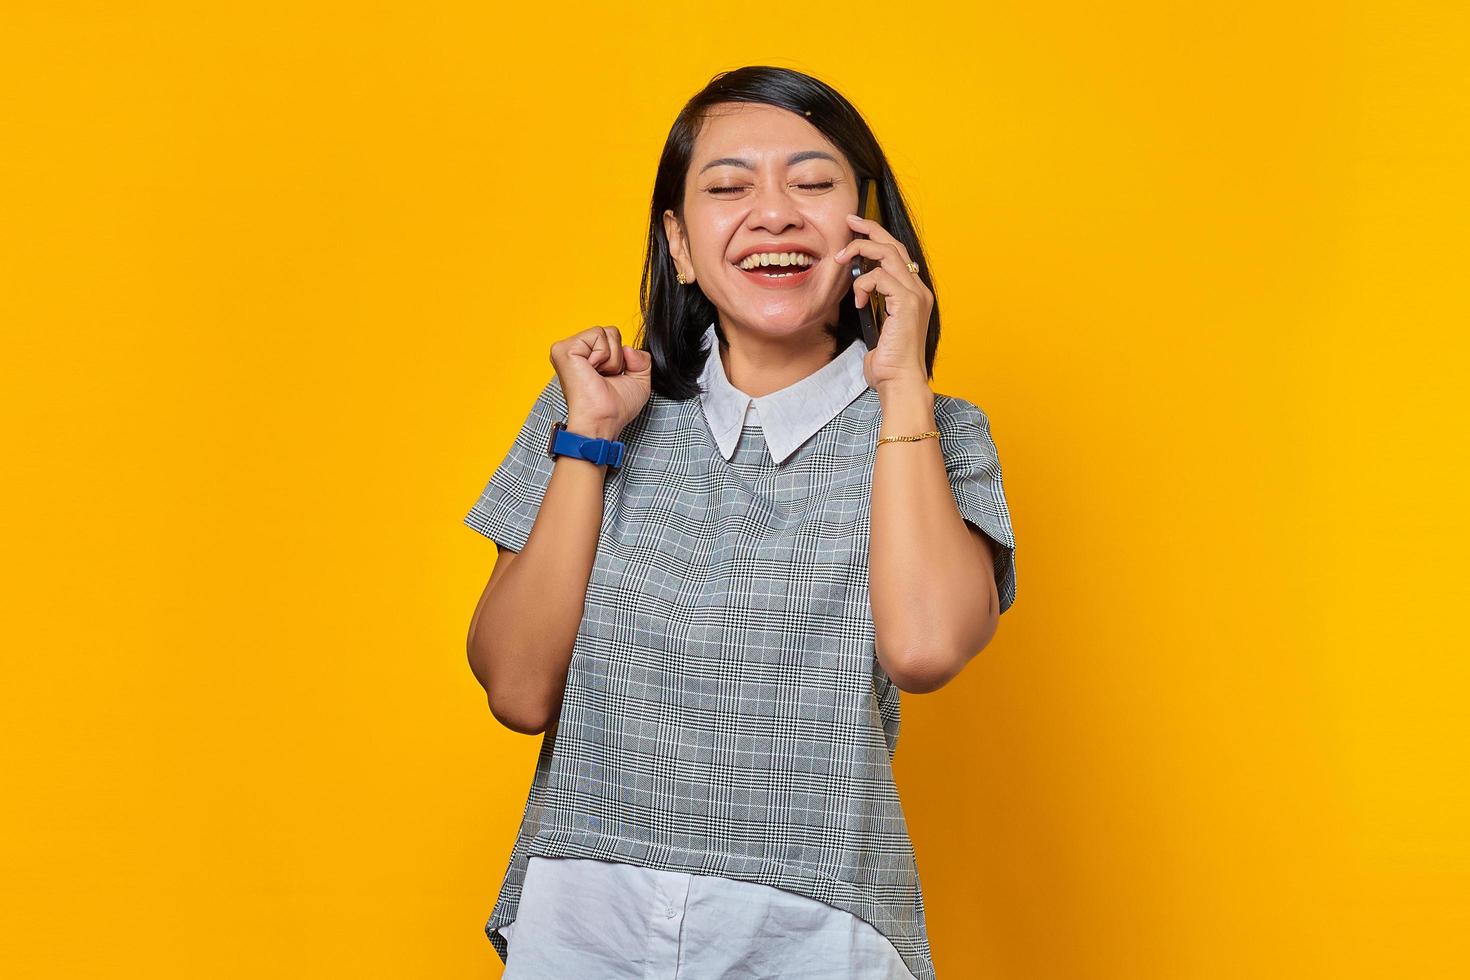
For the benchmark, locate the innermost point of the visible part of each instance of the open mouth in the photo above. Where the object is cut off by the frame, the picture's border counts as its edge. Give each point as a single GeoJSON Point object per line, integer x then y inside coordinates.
{"type": "Point", "coordinates": [777, 274]}
{"type": "Point", "coordinates": [789, 269]}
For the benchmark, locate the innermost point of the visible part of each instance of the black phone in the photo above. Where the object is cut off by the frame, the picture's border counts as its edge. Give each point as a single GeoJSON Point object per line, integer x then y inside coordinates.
{"type": "Point", "coordinates": [872, 312]}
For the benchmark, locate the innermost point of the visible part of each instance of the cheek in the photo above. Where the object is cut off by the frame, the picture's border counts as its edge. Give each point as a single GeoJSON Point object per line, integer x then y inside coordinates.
{"type": "Point", "coordinates": [836, 230]}
{"type": "Point", "coordinates": [711, 243]}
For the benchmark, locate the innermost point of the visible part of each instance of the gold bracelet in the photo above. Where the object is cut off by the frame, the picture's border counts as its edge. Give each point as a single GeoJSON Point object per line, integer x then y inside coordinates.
{"type": "Point", "coordinates": [921, 435]}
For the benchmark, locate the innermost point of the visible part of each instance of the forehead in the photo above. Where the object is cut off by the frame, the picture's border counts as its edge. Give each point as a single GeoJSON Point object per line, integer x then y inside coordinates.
{"type": "Point", "coordinates": [763, 134]}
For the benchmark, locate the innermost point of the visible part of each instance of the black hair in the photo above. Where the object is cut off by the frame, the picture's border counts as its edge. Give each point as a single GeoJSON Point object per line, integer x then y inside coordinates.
{"type": "Point", "coordinates": [676, 316]}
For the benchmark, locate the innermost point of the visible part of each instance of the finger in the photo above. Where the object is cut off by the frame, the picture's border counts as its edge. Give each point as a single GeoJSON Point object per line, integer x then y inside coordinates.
{"type": "Point", "coordinates": [877, 233]}
{"type": "Point", "coordinates": [637, 361]}
{"type": "Point", "coordinates": [614, 343]}
{"type": "Point", "coordinates": [888, 257]}
{"type": "Point", "coordinates": [594, 343]}
{"type": "Point", "coordinates": [600, 350]}
{"type": "Point", "coordinates": [896, 292]}
{"type": "Point", "coordinates": [893, 282]}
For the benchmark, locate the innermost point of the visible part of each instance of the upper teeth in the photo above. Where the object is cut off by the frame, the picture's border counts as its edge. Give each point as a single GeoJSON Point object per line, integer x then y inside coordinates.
{"type": "Point", "coordinates": [775, 258]}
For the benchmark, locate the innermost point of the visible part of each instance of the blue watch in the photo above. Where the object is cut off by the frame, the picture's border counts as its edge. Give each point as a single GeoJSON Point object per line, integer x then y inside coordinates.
{"type": "Point", "coordinates": [563, 442]}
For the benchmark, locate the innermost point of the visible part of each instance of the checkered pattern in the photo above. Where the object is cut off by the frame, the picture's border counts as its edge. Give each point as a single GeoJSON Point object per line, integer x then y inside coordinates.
{"type": "Point", "coordinates": [724, 712]}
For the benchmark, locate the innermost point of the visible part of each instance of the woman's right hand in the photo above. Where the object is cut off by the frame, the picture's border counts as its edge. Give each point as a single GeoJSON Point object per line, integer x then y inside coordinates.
{"type": "Point", "coordinates": [606, 383]}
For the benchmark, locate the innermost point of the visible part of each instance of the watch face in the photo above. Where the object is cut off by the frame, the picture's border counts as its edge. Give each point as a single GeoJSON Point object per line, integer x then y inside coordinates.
{"type": "Point", "coordinates": [556, 428]}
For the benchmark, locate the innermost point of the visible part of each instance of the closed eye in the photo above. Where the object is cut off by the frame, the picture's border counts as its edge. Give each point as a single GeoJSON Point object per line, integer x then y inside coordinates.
{"type": "Point", "coordinates": [826, 184]}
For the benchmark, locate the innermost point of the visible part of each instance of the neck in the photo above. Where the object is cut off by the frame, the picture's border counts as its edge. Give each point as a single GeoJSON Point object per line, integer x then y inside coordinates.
{"type": "Point", "coordinates": [758, 364]}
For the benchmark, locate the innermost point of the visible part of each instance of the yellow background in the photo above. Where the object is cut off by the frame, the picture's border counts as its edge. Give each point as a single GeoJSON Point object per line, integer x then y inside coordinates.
{"type": "Point", "coordinates": [279, 282]}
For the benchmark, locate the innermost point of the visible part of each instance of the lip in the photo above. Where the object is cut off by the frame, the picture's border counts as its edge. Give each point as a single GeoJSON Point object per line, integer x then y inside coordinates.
{"type": "Point", "coordinates": [759, 278]}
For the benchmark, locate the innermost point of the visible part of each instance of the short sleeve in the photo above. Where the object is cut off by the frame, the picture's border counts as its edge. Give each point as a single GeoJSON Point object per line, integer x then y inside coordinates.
{"type": "Point", "coordinates": [508, 505]}
{"type": "Point", "coordinates": [973, 464]}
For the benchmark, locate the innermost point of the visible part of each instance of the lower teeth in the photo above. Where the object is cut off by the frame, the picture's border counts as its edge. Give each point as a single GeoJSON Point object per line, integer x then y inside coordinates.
{"type": "Point", "coordinates": [779, 275]}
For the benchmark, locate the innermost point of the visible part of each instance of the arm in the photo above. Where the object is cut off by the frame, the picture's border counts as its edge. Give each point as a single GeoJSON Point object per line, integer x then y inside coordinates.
{"type": "Point", "coordinates": [927, 564]}
{"type": "Point", "coordinates": [525, 624]}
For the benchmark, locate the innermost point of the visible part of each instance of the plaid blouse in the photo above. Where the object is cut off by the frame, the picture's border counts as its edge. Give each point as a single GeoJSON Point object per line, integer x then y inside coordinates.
{"type": "Point", "coordinates": [725, 713]}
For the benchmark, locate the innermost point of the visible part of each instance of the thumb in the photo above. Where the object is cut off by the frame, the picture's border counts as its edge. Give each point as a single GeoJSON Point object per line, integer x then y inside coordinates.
{"type": "Point", "coordinates": [636, 360]}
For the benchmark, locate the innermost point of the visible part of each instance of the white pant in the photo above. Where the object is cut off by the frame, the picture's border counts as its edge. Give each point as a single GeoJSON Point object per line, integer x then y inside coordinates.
{"type": "Point", "coordinates": [583, 919]}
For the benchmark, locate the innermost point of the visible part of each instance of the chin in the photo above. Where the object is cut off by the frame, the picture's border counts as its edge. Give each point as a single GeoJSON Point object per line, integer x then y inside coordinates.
{"type": "Point", "coordinates": [782, 323]}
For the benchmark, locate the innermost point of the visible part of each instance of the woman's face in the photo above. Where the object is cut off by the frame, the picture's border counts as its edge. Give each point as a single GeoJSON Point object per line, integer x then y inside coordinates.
{"type": "Point", "coordinates": [764, 179]}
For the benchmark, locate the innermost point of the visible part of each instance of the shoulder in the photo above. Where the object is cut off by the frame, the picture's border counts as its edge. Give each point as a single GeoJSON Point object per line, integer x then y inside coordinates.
{"type": "Point", "coordinates": [959, 414]}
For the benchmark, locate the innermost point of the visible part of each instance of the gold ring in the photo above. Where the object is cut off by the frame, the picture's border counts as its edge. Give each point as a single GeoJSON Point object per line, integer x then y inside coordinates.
{"type": "Point", "coordinates": [914, 268]}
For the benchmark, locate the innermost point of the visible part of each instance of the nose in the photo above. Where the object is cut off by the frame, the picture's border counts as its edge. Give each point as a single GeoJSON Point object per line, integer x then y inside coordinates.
{"type": "Point", "coordinates": [774, 208]}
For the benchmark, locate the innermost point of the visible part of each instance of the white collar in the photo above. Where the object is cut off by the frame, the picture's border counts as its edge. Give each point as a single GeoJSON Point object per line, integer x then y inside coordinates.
{"type": "Point", "coordinates": [788, 417]}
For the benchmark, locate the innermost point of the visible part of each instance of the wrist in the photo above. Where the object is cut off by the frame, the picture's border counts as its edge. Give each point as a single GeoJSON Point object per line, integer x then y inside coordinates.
{"type": "Point", "coordinates": [593, 428]}
{"type": "Point", "coordinates": [907, 408]}
{"type": "Point", "coordinates": [907, 391]}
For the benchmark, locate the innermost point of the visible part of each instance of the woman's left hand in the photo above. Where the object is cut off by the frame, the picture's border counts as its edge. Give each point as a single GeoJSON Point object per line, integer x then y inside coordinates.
{"type": "Point", "coordinates": [900, 354]}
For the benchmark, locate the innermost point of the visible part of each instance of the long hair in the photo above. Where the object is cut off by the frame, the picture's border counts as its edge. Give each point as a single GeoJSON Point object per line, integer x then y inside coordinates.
{"type": "Point", "coordinates": [675, 316]}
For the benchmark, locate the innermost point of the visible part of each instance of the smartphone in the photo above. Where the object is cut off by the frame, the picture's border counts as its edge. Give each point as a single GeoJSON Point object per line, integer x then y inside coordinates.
{"type": "Point", "coordinates": [872, 312]}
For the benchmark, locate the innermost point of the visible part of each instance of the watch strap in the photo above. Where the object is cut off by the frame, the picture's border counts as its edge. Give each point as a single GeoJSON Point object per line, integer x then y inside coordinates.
{"type": "Point", "coordinates": [564, 442]}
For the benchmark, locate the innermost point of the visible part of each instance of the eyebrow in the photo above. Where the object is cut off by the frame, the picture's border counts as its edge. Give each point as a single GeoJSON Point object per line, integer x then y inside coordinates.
{"type": "Point", "coordinates": [791, 161]}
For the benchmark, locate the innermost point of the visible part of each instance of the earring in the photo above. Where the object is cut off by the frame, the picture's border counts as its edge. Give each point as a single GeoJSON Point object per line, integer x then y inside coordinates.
{"type": "Point", "coordinates": [680, 277]}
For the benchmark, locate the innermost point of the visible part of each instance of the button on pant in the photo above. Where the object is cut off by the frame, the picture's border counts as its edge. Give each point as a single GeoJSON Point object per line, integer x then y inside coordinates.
{"type": "Point", "coordinates": [584, 919]}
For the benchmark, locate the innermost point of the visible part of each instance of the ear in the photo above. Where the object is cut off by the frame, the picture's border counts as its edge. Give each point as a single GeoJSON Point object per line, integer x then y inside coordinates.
{"type": "Point", "coordinates": [678, 245]}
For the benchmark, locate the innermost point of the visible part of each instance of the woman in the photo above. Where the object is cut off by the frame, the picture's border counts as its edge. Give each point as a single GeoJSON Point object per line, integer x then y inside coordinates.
{"type": "Point", "coordinates": [713, 629]}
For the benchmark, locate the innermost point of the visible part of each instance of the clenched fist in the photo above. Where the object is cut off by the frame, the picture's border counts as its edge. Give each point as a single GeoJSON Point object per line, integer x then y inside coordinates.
{"type": "Point", "coordinates": [606, 383]}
